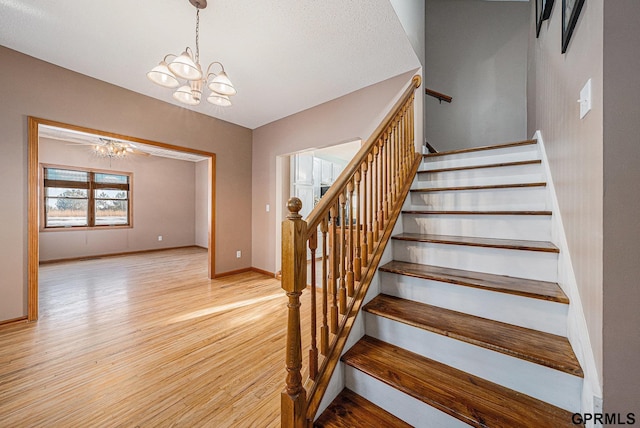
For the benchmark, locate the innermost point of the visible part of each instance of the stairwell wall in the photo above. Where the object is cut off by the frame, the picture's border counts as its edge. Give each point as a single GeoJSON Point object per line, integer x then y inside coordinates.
{"type": "Point", "coordinates": [476, 52]}
{"type": "Point", "coordinates": [621, 294]}
{"type": "Point", "coordinates": [574, 148]}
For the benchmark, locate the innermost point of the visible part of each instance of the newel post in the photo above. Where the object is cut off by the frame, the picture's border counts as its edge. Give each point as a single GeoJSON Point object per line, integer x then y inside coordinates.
{"type": "Point", "coordinates": [294, 280]}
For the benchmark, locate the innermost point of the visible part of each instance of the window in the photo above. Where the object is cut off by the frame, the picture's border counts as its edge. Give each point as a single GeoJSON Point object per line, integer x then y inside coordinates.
{"type": "Point", "coordinates": [85, 198]}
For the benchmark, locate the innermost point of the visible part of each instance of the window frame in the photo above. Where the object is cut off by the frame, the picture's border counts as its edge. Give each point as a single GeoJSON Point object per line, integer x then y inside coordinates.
{"type": "Point", "coordinates": [92, 186]}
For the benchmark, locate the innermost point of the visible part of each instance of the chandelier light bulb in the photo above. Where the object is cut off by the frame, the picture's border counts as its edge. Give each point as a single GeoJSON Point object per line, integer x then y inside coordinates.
{"type": "Point", "coordinates": [161, 75]}
{"type": "Point", "coordinates": [219, 100]}
{"type": "Point", "coordinates": [222, 85]}
{"type": "Point", "coordinates": [184, 67]}
{"type": "Point", "coordinates": [184, 95]}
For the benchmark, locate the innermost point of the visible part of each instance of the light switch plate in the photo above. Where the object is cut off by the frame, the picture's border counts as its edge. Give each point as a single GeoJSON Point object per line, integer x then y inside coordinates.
{"type": "Point", "coordinates": [585, 99]}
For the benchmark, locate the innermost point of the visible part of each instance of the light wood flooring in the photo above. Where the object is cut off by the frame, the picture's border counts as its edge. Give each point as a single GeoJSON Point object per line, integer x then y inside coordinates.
{"type": "Point", "coordinates": [146, 341]}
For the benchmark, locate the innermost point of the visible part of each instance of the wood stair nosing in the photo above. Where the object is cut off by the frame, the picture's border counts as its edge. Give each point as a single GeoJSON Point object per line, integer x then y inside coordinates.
{"type": "Point", "coordinates": [481, 148]}
{"type": "Point", "coordinates": [531, 288]}
{"type": "Point", "coordinates": [537, 347]}
{"type": "Point", "coordinates": [480, 166]}
{"type": "Point", "coordinates": [349, 409]}
{"type": "Point", "coordinates": [507, 244]}
{"type": "Point", "coordinates": [474, 400]}
{"type": "Point", "coordinates": [463, 212]}
{"type": "Point", "coordinates": [478, 187]}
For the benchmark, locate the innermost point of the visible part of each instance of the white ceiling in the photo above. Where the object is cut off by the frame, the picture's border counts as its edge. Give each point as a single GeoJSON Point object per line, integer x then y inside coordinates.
{"type": "Point", "coordinates": [283, 56]}
{"type": "Point", "coordinates": [88, 139]}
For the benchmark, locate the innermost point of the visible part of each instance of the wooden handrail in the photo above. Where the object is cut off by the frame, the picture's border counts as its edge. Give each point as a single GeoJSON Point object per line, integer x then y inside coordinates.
{"type": "Point", "coordinates": [349, 227]}
{"type": "Point", "coordinates": [321, 210]}
{"type": "Point", "coordinates": [440, 96]}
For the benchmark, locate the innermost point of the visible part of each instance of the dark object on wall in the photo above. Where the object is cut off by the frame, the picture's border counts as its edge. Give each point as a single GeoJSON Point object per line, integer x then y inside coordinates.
{"type": "Point", "coordinates": [543, 12]}
{"type": "Point", "coordinates": [570, 13]}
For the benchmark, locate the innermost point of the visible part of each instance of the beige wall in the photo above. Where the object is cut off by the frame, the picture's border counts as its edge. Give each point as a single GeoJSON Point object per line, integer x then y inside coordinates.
{"type": "Point", "coordinates": [163, 200]}
{"type": "Point", "coordinates": [476, 52]}
{"type": "Point", "coordinates": [621, 207]}
{"type": "Point", "coordinates": [30, 87]}
{"type": "Point", "coordinates": [574, 146]}
{"type": "Point", "coordinates": [350, 117]}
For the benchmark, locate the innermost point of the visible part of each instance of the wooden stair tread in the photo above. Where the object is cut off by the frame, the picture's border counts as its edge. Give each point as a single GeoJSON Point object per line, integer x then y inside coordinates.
{"type": "Point", "coordinates": [482, 148]}
{"type": "Point", "coordinates": [531, 345]}
{"type": "Point", "coordinates": [481, 166]}
{"type": "Point", "coordinates": [459, 212]}
{"type": "Point", "coordinates": [542, 290]}
{"type": "Point", "coordinates": [509, 244]}
{"type": "Point", "coordinates": [473, 400]}
{"type": "Point", "coordinates": [349, 409]}
{"type": "Point", "coordinates": [479, 187]}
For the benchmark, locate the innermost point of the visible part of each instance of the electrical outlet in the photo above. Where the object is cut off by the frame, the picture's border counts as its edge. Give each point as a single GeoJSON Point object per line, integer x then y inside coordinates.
{"type": "Point", "coordinates": [238, 254]}
{"type": "Point", "coordinates": [159, 237]}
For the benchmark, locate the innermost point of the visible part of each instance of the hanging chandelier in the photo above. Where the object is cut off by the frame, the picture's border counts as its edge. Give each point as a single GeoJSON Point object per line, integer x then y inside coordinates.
{"type": "Point", "coordinates": [110, 149]}
{"type": "Point", "coordinates": [186, 66]}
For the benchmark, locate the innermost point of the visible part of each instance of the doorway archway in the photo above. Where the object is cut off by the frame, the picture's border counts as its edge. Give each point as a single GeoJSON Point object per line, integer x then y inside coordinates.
{"type": "Point", "coordinates": [33, 198]}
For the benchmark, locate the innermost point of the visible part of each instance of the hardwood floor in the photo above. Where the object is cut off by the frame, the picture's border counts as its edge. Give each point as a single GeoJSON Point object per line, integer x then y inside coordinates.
{"type": "Point", "coordinates": [144, 341]}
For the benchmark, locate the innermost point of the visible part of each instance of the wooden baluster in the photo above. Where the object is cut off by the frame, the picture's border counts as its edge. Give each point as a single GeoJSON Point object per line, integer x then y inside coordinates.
{"type": "Point", "coordinates": [392, 163]}
{"type": "Point", "coordinates": [370, 207]}
{"type": "Point", "coordinates": [391, 167]}
{"type": "Point", "coordinates": [379, 212]}
{"type": "Point", "coordinates": [324, 329]}
{"type": "Point", "coordinates": [342, 297]}
{"type": "Point", "coordinates": [365, 245]}
{"type": "Point", "coordinates": [412, 124]}
{"type": "Point", "coordinates": [396, 162]}
{"type": "Point", "coordinates": [350, 273]}
{"type": "Point", "coordinates": [294, 279]}
{"type": "Point", "coordinates": [403, 148]}
{"type": "Point", "coordinates": [409, 140]}
{"type": "Point", "coordinates": [333, 268]}
{"type": "Point", "coordinates": [374, 191]}
{"type": "Point", "coordinates": [385, 177]}
{"type": "Point", "coordinates": [411, 149]}
{"type": "Point", "coordinates": [388, 202]}
{"type": "Point", "coordinates": [313, 350]}
{"type": "Point", "coordinates": [357, 261]}
{"type": "Point", "coordinates": [394, 146]}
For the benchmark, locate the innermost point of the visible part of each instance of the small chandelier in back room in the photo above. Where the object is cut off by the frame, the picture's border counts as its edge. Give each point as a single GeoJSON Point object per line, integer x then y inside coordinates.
{"type": "Point", "coordinates": [186, 66]}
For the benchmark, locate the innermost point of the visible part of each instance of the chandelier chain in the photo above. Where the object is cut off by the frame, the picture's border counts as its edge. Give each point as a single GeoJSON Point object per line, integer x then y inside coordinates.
{"type": "Point", "coordinates": [197, 35]}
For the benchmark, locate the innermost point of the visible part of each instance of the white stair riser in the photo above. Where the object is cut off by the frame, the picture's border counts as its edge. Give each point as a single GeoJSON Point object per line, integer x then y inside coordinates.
{"type": "Point", "coordinates": [527, 227]}
{"type": "Point", "coordinates": [513, 199]}
{"type": "Point", "coordinates": [486, 157]}
{"type": "Point", "coordinates": [480, 173]}
{"type": "Point", "coordinates": [537, 314]}
{"type": "Point", "coordinates": [541, 382]}
{"type": "Point", "coordinates": [486, 181]}
{"type": "Point", "coordinates": [542, 266]}
{"type": "Point", "coordinates": [404, 406]}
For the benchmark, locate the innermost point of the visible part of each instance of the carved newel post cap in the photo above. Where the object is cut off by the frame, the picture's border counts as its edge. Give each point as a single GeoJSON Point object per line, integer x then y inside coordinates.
{"type": "Point", "coordinates": [294, 205]}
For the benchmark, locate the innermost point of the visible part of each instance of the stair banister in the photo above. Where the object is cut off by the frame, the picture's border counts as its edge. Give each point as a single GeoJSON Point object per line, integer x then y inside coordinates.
{"type": "Point", "coordinates": [351, 220]}
{"type": "Point", "coordinates": [294, 280]}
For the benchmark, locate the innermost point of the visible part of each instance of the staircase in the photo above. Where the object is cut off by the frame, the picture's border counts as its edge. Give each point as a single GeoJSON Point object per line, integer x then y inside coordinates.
{"type": "Point", "coordinates": [470, 325]}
